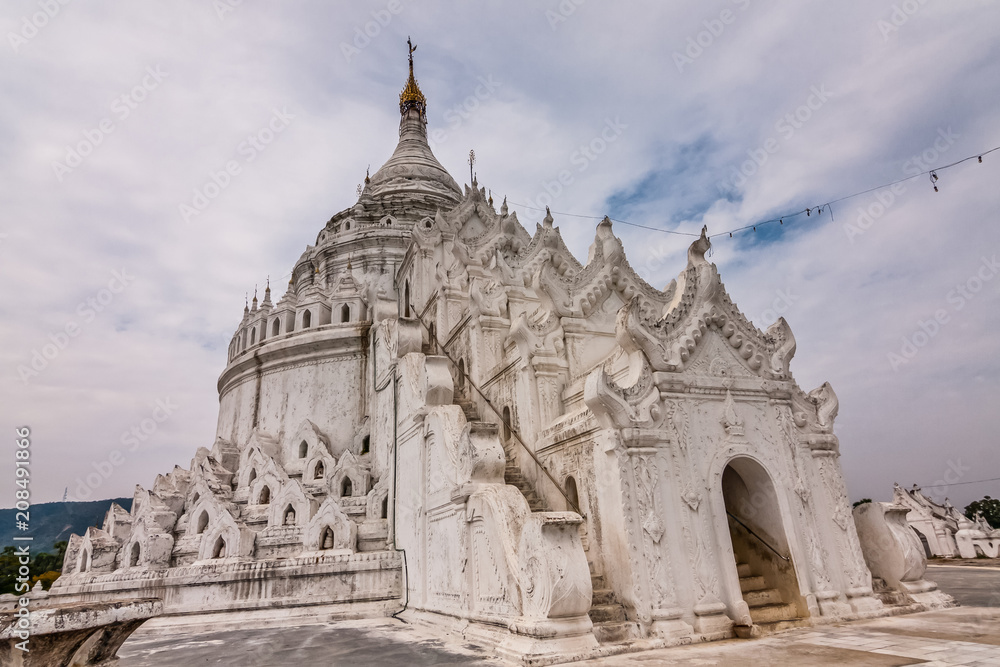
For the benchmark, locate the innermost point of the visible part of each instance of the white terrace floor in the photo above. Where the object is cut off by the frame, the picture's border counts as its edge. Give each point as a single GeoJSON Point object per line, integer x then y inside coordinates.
{"type": "Point", "coordinates": [968, 636]}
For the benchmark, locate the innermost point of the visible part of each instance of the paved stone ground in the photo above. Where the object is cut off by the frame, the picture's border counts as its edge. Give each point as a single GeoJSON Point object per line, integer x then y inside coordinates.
{"type": "Point", "coordinates": [971, 587]}
{"type": "Point", "coordinates": [968, 636]}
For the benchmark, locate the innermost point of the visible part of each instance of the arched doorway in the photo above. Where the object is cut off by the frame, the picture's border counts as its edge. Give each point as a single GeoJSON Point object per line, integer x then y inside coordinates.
{"type": "Point", "coordinates": [763, 560]}
{"type": "Point", "coordinates": [923, 542]}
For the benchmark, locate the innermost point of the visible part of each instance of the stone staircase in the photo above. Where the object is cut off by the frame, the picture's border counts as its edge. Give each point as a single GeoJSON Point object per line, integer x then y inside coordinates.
{"type": "Point", "coordinates": [768, 610]}
{"type": "Point", "coordinates": [512, 475]}
{"type": "Point", "coordinates": [468, 407]}
{"type": "Point", "coordinates": [608, 615]}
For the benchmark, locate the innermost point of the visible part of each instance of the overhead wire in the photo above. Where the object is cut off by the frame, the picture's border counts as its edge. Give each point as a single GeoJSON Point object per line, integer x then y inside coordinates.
{"type": "Point", "coordinates": [818, 209]}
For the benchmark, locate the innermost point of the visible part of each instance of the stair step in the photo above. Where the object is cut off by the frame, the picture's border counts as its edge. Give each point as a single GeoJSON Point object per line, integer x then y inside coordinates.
{"type": "Point", "coordinates": [607, 613]}
{"type": "Point", "coordinates": [597, 581]}
{"type": "Point", "coordinates": [754, 583]}
{"type": "Point", "coordinates": [743, 569]}
{"type": "Point", "coordinates": [610, 633]}
{"type": "Point", "coordinates": [763, 597]}
{"type": "Point", "coordinates": [772, 613]}
{"type": "Point", "coordinates": [762, 629]}
{"type": "Point", "coordinates": [605, 596]}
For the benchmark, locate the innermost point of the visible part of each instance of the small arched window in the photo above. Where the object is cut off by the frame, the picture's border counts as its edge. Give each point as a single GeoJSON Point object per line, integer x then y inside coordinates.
{"type": "Point", "coordinates": [406, 299]}
{"type": "Point", "coordinates": [319, 471]}
{"type": "Point", "coordinates": [345, 313]}
{"type": "Point", "coordinates": [346, 488]}
{"type": "Point", "coordinates": [265, 496]}
{"type": "Point", "coordinates": [461, 374]}
{"type": "Point", "coordinates": [253, 335]}
{"type": "Point", "coordinates": [252, 477]}
{"type": "Point", "coordinates": [288, 519]}
{"type": "Point", "coordinates": [385, 507]}
{"type": "Point", "coordinates": [506, 422]}
{"type": "Point", "coordinates": [243, 335]}
{"type": "Point", "coordinates": [573, 493]}
{"type": "Point", "coordinates": [133, 558]}
{"type": "Point", "coordinates": [303, 449]}
{"type": "Point", "coordinates": [306, 319]}
{"type": "Point", "coordinates": [347, 226]}
{"type": "Point", "coordinates": [219, 551]}
{"type": "Point", "coordinates": [202, 523]}
{"type": "Point", "coordinates": [366, 444]}
{"type": "Point", "coordinates": [85, 561]}
{"type": "Point", "coordinates": [276, 327]}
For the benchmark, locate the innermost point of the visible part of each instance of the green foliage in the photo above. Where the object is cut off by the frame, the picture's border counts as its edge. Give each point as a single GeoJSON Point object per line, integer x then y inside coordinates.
{"type": "Point", "coordinates": [988, 507]}
{"type": "Point", "coordinates": [42, 566]}
{"type": "Point", "coordinates": [862, 501]}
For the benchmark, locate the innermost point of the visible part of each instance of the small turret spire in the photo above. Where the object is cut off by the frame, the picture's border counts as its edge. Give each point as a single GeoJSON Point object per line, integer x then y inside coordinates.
{"type": "Point", "coordinates": [411, 97]}
{"type": "Point", "coordinates": [267, 294]}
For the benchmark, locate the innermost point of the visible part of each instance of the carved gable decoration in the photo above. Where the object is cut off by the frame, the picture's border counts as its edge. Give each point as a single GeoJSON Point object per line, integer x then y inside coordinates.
{"type": "Point", "coordinates": [700, 305]}
{"type": "Point", "coordinates": [330, 530]}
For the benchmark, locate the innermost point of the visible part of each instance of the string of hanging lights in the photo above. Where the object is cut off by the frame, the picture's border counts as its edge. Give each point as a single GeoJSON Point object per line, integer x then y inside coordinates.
{"type": "Point", "coordinates": [817, 209]}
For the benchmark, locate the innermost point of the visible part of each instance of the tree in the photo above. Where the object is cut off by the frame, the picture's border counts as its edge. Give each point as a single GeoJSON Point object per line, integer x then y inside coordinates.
{"type": "Point", "coordinates": [988, 507]}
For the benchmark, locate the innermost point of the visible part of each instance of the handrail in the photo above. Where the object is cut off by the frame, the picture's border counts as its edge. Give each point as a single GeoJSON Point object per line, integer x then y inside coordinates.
{"type": "Point", "coordinates": [508, 426]}
{"type": "Point", "coordinates": [762, 540]}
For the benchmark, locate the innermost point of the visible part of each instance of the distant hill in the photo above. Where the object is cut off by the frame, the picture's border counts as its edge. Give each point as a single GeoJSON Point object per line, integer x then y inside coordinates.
{"type": "Point", "coordinates": [52, 522]}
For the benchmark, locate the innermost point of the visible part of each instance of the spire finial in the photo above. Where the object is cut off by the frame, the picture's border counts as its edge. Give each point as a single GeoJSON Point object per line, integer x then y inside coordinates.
{"type": "Point", "coordinates": [411, 97]}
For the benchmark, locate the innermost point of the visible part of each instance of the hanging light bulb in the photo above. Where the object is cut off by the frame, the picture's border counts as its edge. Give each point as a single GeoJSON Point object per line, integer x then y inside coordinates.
{"type": "Point", "coordinates": [934, 179]}
{"type": "Point", "coordinates": [980, 159]}
{"type": "Point", "coordinates": [730, 235]}
{"type": "Point", "coordinates": [808, 212]}
{"type": "Point", "coordinates": [781, 221]}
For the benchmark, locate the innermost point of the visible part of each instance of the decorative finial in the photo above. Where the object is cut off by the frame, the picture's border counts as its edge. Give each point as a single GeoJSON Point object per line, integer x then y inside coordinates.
{"type": "Point", "coordinates": [548, 217]}
{"type": "Point", "coordinates": [368, 171]}
{"type": "Point", "coordinates": [491, 198]}
{"type": "Point", "coordinates": [411, 97]}
{"type": "Point", "coordinates": [472, 161]}
{"type": "Point", "coordinates": [503, 206]}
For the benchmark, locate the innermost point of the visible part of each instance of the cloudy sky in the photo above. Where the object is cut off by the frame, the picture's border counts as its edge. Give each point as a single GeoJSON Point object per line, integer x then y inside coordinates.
{"type": "Point", "coordinates": [126, 246]}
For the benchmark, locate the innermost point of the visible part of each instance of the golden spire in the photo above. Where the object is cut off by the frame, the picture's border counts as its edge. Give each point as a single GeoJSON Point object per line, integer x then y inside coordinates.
{"type": "Point", "coordinates": [411, 97]}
